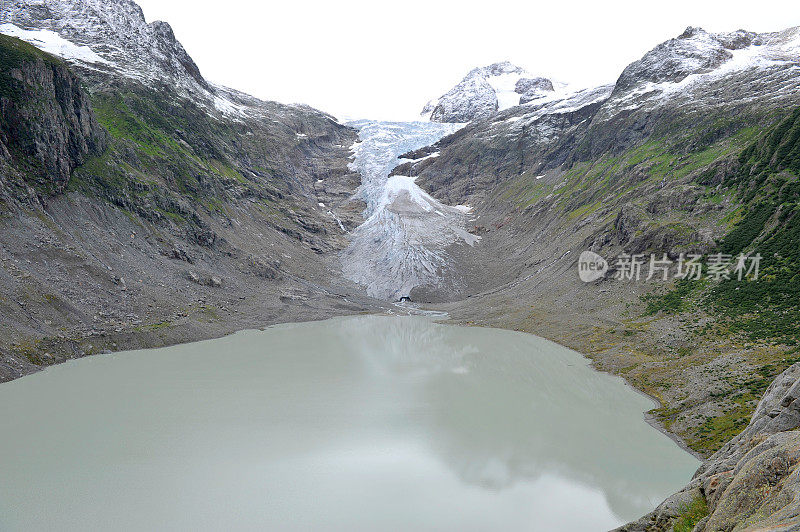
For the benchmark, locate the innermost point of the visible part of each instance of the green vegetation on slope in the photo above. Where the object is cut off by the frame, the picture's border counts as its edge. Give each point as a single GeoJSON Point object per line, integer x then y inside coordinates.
{"type": "Point", "coordinates": [691, 515]}
{"type": "Point", "coordinates": [764, 311]}
{"type": "Point", "coordinates": [588, 187]}
{"type": "Point", "coordinates": [766, 182]}
{"type": "Point", "coordinates": [158, 166]}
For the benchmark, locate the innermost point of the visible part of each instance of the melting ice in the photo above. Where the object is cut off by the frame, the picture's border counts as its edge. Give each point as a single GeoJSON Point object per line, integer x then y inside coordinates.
{"type": "Point", "coordinates": [403, 241]}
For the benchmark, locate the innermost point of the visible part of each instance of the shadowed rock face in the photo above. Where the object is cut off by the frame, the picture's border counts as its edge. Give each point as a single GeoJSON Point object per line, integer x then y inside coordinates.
{"type": "Point", "coordinates": [47, 126]}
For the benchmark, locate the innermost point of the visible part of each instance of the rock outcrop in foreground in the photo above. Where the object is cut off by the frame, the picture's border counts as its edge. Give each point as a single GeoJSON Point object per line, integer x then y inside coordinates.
{"type": "Point", "coordinates": [751, 483]}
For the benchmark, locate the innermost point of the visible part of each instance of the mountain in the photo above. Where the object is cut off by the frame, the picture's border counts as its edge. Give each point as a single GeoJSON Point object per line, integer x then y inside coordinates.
{"type": "Point", "coordinates": [113, 40]}
{"type": "Point", "coordinates": [693, 150]}
{"type": "Point", "coordinates": [486, 90]}
{"type": "Point", "coordinates": [649, 164]}
{"type": "Point", "coordinates": [141, 205]}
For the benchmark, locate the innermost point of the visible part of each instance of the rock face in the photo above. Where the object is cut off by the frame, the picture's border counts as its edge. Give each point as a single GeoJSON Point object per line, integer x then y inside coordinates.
{"type": "Point", "coordinates": [695, 51]}
{"type": "Point", "coordinates": [531, 89]}
{"type": "Point", "coordinates": [753, 482]}
{"type": "Point", "coordinates": [47, 126]}
{"type": "Point", "coordinates": [486, 90]}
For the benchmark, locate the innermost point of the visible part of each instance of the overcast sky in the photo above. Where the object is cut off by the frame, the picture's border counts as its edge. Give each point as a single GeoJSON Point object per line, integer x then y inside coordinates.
{"type": "Point", "coordinates": [372, 59]}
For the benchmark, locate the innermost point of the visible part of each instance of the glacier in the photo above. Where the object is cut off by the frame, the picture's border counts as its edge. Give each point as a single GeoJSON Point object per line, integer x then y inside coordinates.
{"type": "Point", "coordinates": [403, 241]}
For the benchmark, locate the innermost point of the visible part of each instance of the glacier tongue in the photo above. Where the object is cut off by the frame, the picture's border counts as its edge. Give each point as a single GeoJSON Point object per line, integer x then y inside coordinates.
{"type": "Point", "coordinates": [402, 243]}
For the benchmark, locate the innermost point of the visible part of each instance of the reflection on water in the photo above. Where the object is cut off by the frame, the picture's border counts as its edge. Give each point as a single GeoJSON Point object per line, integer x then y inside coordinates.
{"type": "Point", "coordinates": [367, 423]}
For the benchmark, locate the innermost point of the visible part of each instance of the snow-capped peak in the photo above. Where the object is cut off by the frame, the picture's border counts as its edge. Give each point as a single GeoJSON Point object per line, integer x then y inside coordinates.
{"type": "Point", "coordinates": [685, 67]}
{"type": "Point", "coordinates": [108, 35]}
{"type": "Point", "coordinates": [486, 90]}
{"type": "Point", "coordinates": [113, 37]}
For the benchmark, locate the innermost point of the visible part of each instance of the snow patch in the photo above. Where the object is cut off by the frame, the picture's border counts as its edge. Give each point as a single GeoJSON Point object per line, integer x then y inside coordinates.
{"type": "Point", "coordinates": [227, 107]}
{"type": "Point", "coordinates": [52, 43]}
{"type": "Point", "coordinates": [504, 87]}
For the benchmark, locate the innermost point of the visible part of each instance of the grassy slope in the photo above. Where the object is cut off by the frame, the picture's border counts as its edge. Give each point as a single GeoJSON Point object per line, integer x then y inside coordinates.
{"type": "Point", "coordinates": [174, 164]}
{"type": "Point", "coordinates": [761, 315]}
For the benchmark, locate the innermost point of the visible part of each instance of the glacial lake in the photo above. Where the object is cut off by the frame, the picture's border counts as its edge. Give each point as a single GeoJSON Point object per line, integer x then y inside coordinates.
{"type": "Point", "coordinates": [371, 423]}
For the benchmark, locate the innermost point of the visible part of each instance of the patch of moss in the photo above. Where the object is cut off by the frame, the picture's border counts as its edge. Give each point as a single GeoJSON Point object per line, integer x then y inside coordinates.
{"type": "Point", "coordinates": [585, 210]}
{"type": "Point", "coordinates": [691, 514]}
{"type": "Point", "coordinates": [113, 113]}
{"type": "Point", "coordinates": [153, 326]}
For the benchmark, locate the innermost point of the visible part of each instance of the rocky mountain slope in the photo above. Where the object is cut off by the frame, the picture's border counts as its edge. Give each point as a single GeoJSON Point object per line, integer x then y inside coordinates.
{"type": "Point", "coordinates": [486, 90]}
{"type": "Point", "coordinates": [142, 205]}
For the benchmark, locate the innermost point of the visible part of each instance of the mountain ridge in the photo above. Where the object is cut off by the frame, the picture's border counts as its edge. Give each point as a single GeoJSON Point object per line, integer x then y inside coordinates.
{"type": "Point", "coordinates": [671, 67]}
{"type": "Point", "coordinates": [486, 90]}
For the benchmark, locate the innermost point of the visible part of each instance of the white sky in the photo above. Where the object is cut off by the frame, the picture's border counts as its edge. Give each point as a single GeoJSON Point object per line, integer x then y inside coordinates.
{"type": "Point", "coordinates": [372, 59]}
